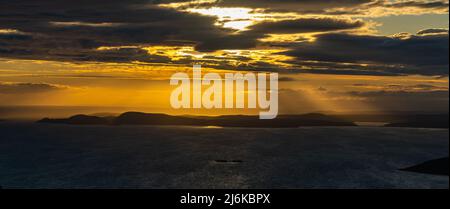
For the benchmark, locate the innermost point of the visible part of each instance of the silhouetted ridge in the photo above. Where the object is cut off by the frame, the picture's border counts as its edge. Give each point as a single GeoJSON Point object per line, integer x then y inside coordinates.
{"type": "Point", "coordinates": [436, 167]}
{"type": "Point", "coordinates": [79, 120]}
{"type": "Point", "coordinates": [138, 118]}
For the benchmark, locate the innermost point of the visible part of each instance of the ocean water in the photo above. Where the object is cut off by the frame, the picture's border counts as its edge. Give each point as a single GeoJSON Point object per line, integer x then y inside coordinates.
{"type": "Point", "coordinates": [64, 156]}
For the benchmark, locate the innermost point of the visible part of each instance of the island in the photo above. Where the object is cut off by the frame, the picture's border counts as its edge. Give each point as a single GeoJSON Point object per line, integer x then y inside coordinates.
{"type": "Point", "coordinates": [139, 118]}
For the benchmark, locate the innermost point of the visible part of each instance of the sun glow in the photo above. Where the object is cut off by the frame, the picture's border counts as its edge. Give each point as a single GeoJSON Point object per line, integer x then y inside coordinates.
{"type": "Point", "coordinates": [241, 18]}
{"type": "Point", "coordinates": [234, 18]}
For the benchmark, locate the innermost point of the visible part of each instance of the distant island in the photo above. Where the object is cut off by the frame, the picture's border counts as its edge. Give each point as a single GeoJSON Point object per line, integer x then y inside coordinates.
{"type": "Point", "coordinates": [138, 118]}
{"type": "Point", "coordinates": [282, 121]}
{"type": "Point", "coordinates": [422, 121]}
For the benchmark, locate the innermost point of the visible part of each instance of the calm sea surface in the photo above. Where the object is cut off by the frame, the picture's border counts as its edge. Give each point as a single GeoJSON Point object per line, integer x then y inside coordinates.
{"type": "Point", "coordinates": [62, 156]}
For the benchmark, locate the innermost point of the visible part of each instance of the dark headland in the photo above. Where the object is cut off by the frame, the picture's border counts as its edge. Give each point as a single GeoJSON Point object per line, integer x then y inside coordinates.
{"type": "Point", "coordinates": [137, 118]}
{"type": "Point", "coordinates": [436, 167]}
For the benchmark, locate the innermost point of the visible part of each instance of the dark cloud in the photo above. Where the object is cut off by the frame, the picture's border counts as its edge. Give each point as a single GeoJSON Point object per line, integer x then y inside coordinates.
{"type": "Point", "coordinates": [418, 87]}
{"type": "Point", "coordinates": [124, 55]}
{"type": "Point", "coordinates": [426, 55]}
{"type": "Point", "coordinates": [72, 30]}
{"type": "Point", "coordinates": [289, 5]}
{"type": "Point", "coordinates": [286, 79]}
{"type": "Point", "coordinates": [322, 89]}
{"type": "Point", "coordinates": [419, 4]}
{"type": "Point", "coordinates": [232, 41]}
{"type": "Point", "coordinates": [64, 29]}
{"type": "Point", "coordinates": [9, 37]}
{"type": "Point", "coordinates": [67, 30]}
{"type": "Point", "coordinates": [305, 25]}
{"type": "Point", "coordinates": [24, 88]}
{"type": "Point", "coordinates": [440, 95]}
{"type": "Point", "coordinates": [406, 100]}
{"type": "Point", "coordinates": [428, 87]}
{"type": "Point", "coordinates": [338, 7]}
{"type": "Point", "coordinates": [402, 87]}
{"type": "Point", "coordinates": [432, 31]}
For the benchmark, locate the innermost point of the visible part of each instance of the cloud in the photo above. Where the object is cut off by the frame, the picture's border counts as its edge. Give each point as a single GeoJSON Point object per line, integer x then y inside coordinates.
{"type": "Point", "coordinates": [121, 54]}
{"type": "Point", "coordinates": [26, 88]}
{"type": "Point", "coordinates": [325, 7]}
{"type": "Point", "coordinates": [425, 55]}
{"type": "Point", "coordinates": [401, 87]}
{"type": "Point", "coordinates": [64, 29]}
{"type": "Point", "coordinates": [68, 31]}
{"type": "Point", "coordinates": [416, 88]}
{"type": "Point", "coordinates": [419, 4]}
{"type": "Point", "coordinates": [305, 25]}
{"type": "Point", "coordinates": [283, 5]}
{"type": "Point", "coordinates": [406, 100]}
{"type": "Point", "coordinates": [440, 94]}
{"type": "Point", "coordinates": [433, 31]}
{"type": "Point", "coordinates": [395, 100]}
{"type": "Point", "coordinates": [250, 38]}
{"type": "Point", "coordinates": [287, 79]}
{"type": "Point", "coordinates": [322, 89]}
{"type": "Point", "coordinates": [71, 31]}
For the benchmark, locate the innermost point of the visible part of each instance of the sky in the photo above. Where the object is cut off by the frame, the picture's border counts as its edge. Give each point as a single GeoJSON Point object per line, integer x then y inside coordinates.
{"type": "Point", "coordinates": [340, 56]}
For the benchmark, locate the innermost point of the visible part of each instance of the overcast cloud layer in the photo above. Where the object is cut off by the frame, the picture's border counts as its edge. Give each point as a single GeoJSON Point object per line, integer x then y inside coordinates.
{"type": "Point", "coordinates": [73, 31]}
